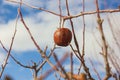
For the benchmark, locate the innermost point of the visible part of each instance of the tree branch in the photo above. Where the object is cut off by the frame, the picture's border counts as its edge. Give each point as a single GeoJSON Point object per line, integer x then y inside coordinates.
{"type": "Point", "coordinates": [8, 54]}
{"type": "Point", "coordinates": [104, 44]}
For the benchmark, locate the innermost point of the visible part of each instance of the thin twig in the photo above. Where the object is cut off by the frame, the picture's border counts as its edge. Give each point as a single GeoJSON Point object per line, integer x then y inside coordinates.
{"type": "Point", "coordinates": [13, 57]}
{"type": "Point", "coordinates": [75, 51]}
{"type": "Point", "coordinates": [77, 45]}
{"type": "Point", "coordinates": [91, 12]}
{"type": "Point", "coordinates": [60, 10]}
{"type": "Point", "coordinates": [74, 35]}
{"type": "Point", "coordinates": [71, 16]}
{"type": "Point", "coordinates": [32, 38]}
{"type": "Point", "coordinates": [39, 49]}
{"type": "Point", "coordinates": [83, 45]}
{"type": "Point", "coordinates": [71, 64]}
{"type": "Point", "coordinates": [48, 57]}
{"type": "Point", "coordinates": [104, 44]}
{"type": "Point", "coordinates": [59, 65]}
{"type": "Point", "coordinates": [34, 7]}
{"type": "Point", "coordinates": [9, 51]}
{"type": "Point", "coordinates": [54, 67]}
{"type": "Point", "coordinates": [8, 54]}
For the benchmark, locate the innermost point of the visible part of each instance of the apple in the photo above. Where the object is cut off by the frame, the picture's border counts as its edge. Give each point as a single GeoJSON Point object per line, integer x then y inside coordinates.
{"type": "Point", "coordinates": [62, 37]}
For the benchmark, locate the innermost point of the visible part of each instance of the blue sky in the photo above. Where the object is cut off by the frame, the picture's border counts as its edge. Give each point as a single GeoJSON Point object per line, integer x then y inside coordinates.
{"type": "Point", "coordinates": [42, 26]}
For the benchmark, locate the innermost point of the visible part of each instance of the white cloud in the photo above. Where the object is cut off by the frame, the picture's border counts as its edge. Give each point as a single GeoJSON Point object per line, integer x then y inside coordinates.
{"type": "Point", "coordinates": [42, 27]}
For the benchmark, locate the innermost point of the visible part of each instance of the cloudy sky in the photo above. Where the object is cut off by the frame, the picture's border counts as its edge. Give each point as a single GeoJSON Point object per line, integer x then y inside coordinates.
{"type": "Point", "coordinates": [43, 24]}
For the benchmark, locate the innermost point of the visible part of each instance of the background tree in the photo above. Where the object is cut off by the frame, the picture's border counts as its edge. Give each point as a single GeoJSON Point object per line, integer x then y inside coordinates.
{"type": "Point", "coordinates": [62, 39]}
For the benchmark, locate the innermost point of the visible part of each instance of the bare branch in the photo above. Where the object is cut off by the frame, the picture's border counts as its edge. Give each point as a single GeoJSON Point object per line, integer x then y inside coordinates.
{"type": "Point", "coordinates": [32, 38]}
{"type": "Point", "coordinates": [13, 57]}
{"type": "Point", "coordinates": [71, 16]}
{"type": "Point", "coordinates": [60, 10]}
{"type": "Point", "coordinates": [83, 45]}
{"type": "Point", "coordinates": [9, 51]}
{"type": "Point", "coordinates": [42, 64]}
{"type": "Point", "coordinates": [104, 44]}
{"type": "Point", "coordinates": [59, 65]}
{"type": "Point", "coordinates": [8, 54]}
{"type": "Point", "coordinates": [54, 67]}
{"type": "Point", "coordinates": [33, 7]}
{"type": "Point", "coordinates": [77, 45]}
{"type": "Point", "coordinates": [71, 64]}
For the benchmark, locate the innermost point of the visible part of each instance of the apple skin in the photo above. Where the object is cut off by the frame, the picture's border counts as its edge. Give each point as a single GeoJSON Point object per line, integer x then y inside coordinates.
{"type": "Point", "coordinates": [62, 37]}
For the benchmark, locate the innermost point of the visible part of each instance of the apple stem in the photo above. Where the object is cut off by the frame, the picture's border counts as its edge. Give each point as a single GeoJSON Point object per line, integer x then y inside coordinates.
{"type": "Point", "coordinates": [62, 23]}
